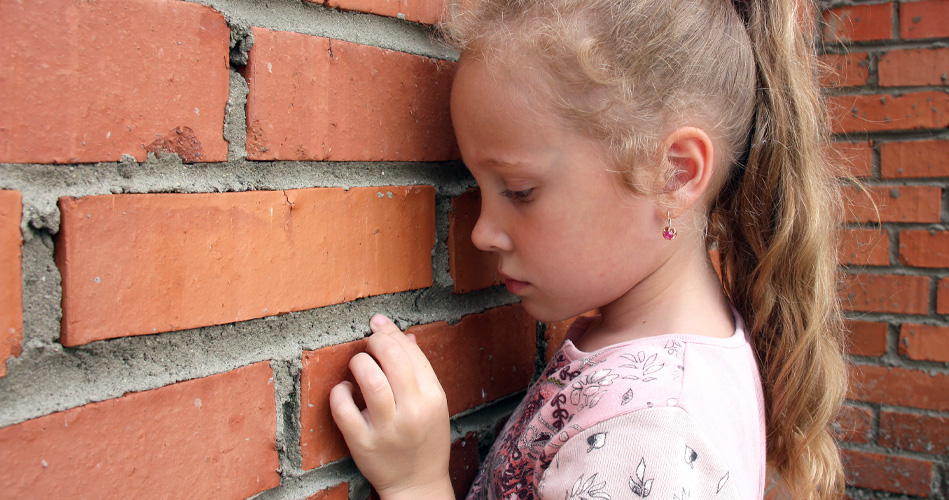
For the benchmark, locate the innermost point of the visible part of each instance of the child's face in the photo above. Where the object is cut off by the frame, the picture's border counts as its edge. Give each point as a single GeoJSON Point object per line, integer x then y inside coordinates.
{"type": "Point", "coordinates": [570, 235]}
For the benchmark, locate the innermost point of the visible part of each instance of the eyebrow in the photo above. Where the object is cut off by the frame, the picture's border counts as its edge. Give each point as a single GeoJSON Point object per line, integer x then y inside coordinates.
{"type": "Point", "coordinates": [494, 162]}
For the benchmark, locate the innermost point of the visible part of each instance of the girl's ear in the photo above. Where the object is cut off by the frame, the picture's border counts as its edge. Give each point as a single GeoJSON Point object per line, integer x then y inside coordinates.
{"type": "Point", "coordinates": [689, 156]}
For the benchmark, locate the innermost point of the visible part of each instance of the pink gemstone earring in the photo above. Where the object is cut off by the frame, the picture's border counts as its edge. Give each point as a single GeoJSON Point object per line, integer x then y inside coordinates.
{"type": "Point", "coordinates": [669, 232]}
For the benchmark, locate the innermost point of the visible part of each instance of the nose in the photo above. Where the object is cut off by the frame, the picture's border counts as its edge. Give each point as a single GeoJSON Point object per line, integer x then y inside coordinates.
{"type": "Point", "coordinates": [488, 234]}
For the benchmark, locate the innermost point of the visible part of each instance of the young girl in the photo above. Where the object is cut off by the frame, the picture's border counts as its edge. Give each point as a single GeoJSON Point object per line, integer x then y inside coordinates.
{"type": "Point", "coordinates": [614, 141]}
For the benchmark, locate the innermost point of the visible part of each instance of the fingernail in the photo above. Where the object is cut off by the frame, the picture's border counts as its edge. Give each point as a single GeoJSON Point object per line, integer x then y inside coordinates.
{"type": "Point", "coordinates": [379, 320]}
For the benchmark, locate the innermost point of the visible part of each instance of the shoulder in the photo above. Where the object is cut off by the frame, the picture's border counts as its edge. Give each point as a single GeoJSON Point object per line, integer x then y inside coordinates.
{"type": "Point", "coordinates": [582, 391]}
{"type": "Point", "coordinates": [624, 377]}
{"type": "Point", "coordinates": [655, 450]}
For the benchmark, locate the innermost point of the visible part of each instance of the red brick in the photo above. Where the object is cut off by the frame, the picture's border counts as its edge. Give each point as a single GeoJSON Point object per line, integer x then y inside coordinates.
{"type": "Point", "coordinates": [924, 248]}
{"type": "Point", "coordinates": [312, 98]}
{"type": "Point", "coordinates": [865, 247]}
{"type": "Point", "coordinates": [338, 492]}
{"type": "Point", "coordinates": [914, 67]}
{"type": "Point", "coordinates": [859, 23]}
{"type": "Point", "coordinates": [556, 333]}
{"type": "Point", "coordinates": [908, 431]}
{"type": "Point", "coordinates": [457, 352]}
{"type": "Point", "coordinates": [924, 342]}
{"type": "Point", "coordinates": [11, 287]}
{"type": "Point", "coordinates": [853, 158]}
{"type": "Point", "coordinates": [893, 204]}
{"type": "Point", "coordinates": [900, 387]}
{"type": "Point", "coordinates": [96, 80]}
{"type": "Point", "coordinates": [866, 338]}
{"type": "Point", "coordinates": [845, 70]}
{"type": "Point", "coordinates": [886, 293]}
{"type": "Point", "coordinates": [482, 358]}
{"type": "Point", "coordinates": [463, 464]}
{"type": "Point", "coordinates": [420, 11]}
{"type": "Point", "coordinates": [854, 424]}
{"type": "Point", "coordinates": [321, 442]}
{"type": "Point", "coordinates": [924, 19]}
{"type": "Point", "coordinates": [887, 473]}
{"type": "Point", "coordinates": [145, 263]}
{"type": "Point", "coordinates": [470, 268]}
{"type": "Point", "coordinates": [914, 159]}
{"type": "Point", "coordinates": [213, 437]}
{"type": "Point", "coordinates": [942, 299]}
{"type": "Point", "coordinates": [871, 113]}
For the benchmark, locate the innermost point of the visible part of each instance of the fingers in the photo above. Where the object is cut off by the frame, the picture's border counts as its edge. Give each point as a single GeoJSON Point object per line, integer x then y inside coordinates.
{"type": "Point", "coordinates": [392, 349]}
{"type": "Point", "coordinates": [395, 351]}
{"type": "Point", "coordinates": [345, 412]}
{"type": "Point", "coordinates": [375, 387]}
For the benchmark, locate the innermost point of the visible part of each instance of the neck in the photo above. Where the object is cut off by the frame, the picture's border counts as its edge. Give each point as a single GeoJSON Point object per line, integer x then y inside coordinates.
{"type": "Point", "coordinates": [682, 296]}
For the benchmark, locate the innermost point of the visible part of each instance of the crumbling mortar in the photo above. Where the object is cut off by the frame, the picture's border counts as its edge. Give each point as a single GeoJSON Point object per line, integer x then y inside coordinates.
{"type": "Point", "coordinates": [48, 378]}
{"type": "Point", "coordinates": [314, 19]}
{"type": "Point", "coordinates": [42, 185]}
{"type": "Point", "coordinates": [313, 481]}
{"type": "Point", "coordinates": [42, 295]}
{"type": "Point", "coordinates": [242, 39]}
{"type": "Point", "coordinates": [235, 117]}
{"type": "Point", "coordinates": [287, 394]}
{"type": "Point", "coordinates": [441, 275]}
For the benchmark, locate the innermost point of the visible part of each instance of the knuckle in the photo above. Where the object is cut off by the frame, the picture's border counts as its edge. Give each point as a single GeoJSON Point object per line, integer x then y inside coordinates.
{"type": "Point", "coordinates": [375, 382]}
{"type": "Point", "coordinates": [392, 351]}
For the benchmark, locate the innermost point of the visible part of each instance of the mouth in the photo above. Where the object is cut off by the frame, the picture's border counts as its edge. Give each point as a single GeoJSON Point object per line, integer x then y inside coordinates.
{"type": "Point", "coordinates": [514, 286]}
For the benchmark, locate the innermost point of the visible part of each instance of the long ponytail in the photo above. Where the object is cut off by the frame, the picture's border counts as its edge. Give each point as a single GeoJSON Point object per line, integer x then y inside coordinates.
{"type": "Point", "coordinates": [775, 222]}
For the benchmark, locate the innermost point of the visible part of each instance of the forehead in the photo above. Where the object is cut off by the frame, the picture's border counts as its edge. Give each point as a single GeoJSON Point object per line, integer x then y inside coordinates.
{"type": "Point", "coordinates": [494, 124]}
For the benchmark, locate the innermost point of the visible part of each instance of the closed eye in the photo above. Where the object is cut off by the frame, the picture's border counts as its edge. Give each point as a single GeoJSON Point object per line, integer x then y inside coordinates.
{"type": "Point", "coordinates": [519, 196]}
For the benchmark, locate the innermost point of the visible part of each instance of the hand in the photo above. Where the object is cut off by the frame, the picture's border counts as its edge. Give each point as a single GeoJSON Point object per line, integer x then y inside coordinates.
{"type": "Point", "coordinates": [401, 441]}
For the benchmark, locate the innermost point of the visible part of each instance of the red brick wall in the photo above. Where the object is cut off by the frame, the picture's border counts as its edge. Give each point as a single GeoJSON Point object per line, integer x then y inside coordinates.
{"type": "Point", "coordinates": [890, 104]}
{"type": "Point", "coordinates": [194, 233]}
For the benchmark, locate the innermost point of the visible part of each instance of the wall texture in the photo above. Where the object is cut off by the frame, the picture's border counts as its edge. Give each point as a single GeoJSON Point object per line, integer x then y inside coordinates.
{"type": "Point", "coordinates": [890, 102]}
{"type": "Point", "coordinates": [203, 202]}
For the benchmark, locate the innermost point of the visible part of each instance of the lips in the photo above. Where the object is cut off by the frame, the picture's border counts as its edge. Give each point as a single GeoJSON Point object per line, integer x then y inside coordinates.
{"type": "Point", "coordinates": [514, 286]}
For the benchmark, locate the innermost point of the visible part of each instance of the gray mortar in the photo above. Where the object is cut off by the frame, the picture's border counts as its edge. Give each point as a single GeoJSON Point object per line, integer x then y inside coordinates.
{"type": "Point", "coordinates": [48, 378]}
{"type": "Point", "coordinates": [440, 271]}
{"type": "Point", "coordinates": [42, 296]}
{"type": "Point", "coordinates": [313, 19]}
{"type": "Point", "coordinates": [315, 481]}
{"type": "Point", "coordinates": [287, 393]}
{"type": "Point", "coordinates": [42, 185]}
{"type": "Point", "coordinates": [235, 118]}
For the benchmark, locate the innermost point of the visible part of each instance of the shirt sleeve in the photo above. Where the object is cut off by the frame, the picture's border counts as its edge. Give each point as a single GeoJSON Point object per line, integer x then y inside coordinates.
{"type": "Point", "coordinates": [651, 453]}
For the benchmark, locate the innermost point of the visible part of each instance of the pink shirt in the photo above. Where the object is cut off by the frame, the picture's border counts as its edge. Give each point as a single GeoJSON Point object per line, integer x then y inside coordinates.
{"type": "Point", "coordinates": [667, 417]}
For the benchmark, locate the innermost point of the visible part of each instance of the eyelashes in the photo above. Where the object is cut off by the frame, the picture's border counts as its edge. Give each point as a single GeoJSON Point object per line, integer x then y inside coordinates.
{"type": "Point", "coordinates": [519, 196]}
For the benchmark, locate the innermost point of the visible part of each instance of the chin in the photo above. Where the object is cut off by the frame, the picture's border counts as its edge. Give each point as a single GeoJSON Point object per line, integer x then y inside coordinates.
{"type": "Point", "coordinates": [545, 314]}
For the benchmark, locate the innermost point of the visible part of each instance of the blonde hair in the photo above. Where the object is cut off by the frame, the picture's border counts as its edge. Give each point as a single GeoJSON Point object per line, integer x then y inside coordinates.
{"type": "Point", "coordinates": [630, 71]}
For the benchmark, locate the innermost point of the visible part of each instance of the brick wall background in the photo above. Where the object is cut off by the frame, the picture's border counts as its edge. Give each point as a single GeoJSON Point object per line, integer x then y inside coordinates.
{"type": "Point", "coordinates": [202, 203]}
{"type": "Point", "coordinates": [890, 102]}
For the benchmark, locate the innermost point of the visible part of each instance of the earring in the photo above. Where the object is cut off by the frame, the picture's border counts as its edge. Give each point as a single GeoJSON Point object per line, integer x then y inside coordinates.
{"type": "Point", "coordinates": [669, 232]}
